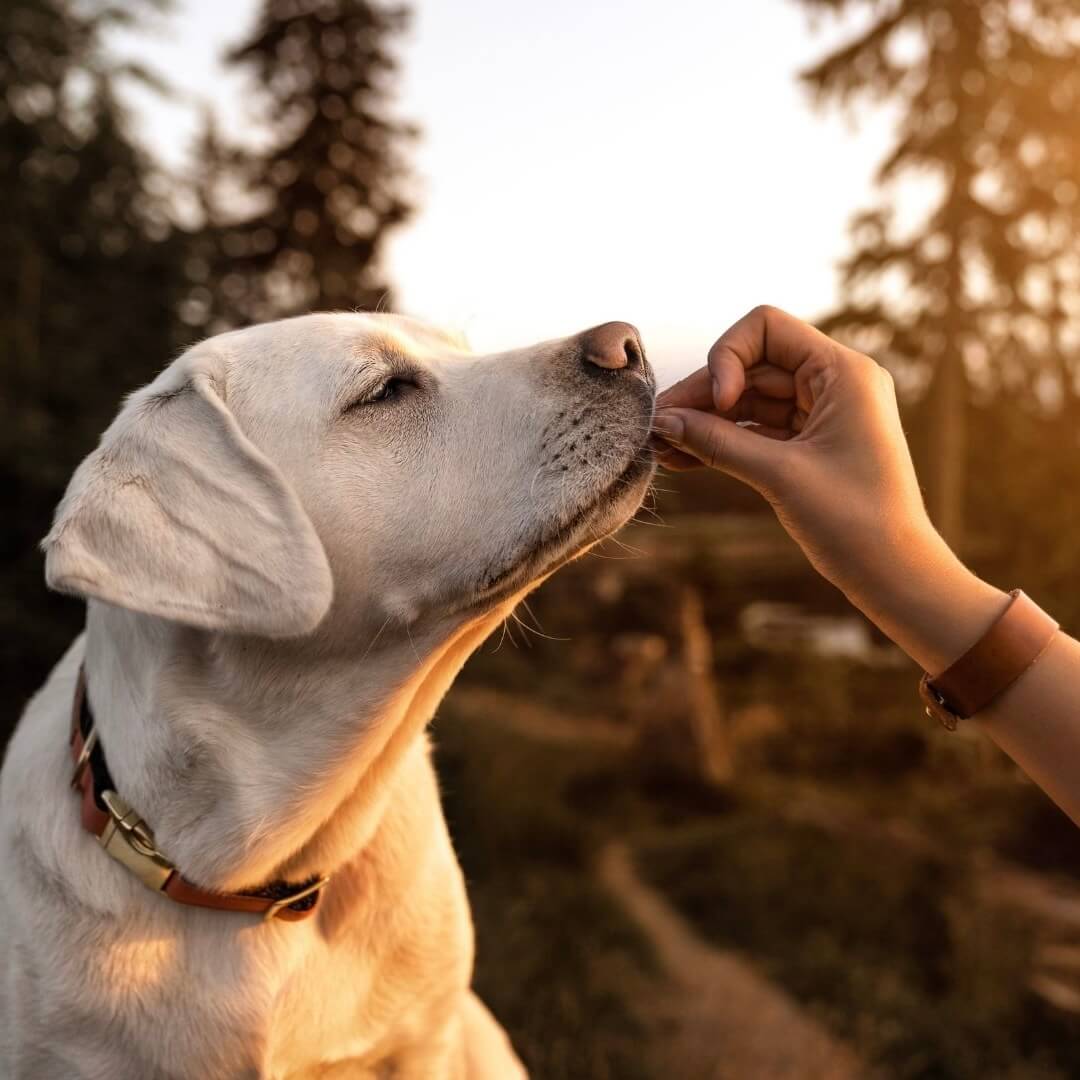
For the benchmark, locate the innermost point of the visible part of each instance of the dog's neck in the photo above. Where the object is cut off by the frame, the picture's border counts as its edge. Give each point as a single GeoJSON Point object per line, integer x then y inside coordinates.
{"type": "Point", "coordinates": [254, 760]}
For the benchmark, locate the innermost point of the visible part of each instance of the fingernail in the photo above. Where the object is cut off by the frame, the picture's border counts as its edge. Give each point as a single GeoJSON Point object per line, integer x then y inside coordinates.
{"type": "Point", "coordinates": [669, 426]}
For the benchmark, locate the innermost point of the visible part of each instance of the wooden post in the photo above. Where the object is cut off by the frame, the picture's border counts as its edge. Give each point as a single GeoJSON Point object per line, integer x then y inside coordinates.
{"type": "Point", "coordinates": [708, 726]}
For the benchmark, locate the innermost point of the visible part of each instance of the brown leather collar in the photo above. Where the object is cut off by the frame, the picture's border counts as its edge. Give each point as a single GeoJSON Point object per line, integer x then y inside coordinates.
{"type": "Point", "coordinates": [129, 840]}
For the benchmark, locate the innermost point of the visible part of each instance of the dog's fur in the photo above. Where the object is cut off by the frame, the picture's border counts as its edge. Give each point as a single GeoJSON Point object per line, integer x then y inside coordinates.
{"type": "Point", "coordinates": [285, 569]}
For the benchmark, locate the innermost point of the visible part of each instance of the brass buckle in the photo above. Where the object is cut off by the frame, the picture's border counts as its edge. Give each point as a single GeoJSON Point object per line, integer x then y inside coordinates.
{"type": "Point", "coordinates": [285, 901]}
{"type": "Point", "coordinates": [130, 841]}
{"type": "Point", "coordinates": [83, 760]}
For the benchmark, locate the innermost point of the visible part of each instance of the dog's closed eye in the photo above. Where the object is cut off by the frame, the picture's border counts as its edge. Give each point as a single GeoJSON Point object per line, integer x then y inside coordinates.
{"type": "Point", "coordinates": [390, 389]}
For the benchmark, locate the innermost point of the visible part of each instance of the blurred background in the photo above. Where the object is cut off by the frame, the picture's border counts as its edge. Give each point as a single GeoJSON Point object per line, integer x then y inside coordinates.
{"type": "Point", "coordinates": [708, 831]}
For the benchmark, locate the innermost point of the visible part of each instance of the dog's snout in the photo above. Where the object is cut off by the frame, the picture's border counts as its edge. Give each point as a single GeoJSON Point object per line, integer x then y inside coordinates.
{"type": "Point", "coordinates": [613, 346]}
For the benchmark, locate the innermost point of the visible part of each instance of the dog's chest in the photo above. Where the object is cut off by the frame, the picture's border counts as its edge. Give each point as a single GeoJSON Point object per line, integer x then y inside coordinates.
{"type": "Point", "coordinates": [105, 973]}
{"type": "Point", "coordinates": [377, 984]}
{"type": "Point", "coordinates": [372, 992]}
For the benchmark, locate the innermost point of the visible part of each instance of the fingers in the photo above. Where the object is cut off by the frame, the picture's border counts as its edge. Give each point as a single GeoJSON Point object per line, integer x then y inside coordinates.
{"type": "Point", "coordinates": [772, 405]}
{"type": "Point", "coordinates": [693, 392]}
{"type": "Point", "coordinates": [780, 434]}
{"type": "Point", "coordinates": [772, 412]}
{"type": "Point", "coordinates": [696, 391]}
{"type": "Point", "coordinates": [771, 381]}
{"type": "Point", "coordinates": [667, 457]}
{"type": "Point", "coordinates": [755, 373]}
{"type": "Point", "coordinates": [765, 335]}
{"type": "Point", "coordinates": [722, 444]}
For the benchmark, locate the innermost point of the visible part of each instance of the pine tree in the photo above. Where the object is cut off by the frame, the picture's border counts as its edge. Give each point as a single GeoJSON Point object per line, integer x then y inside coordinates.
{"type": "Point", "coordinates": [88, 284]}
{"type": "Point", "coordinates": [331, 184]}
{"type": "Point", "coordinates": [982, 297]}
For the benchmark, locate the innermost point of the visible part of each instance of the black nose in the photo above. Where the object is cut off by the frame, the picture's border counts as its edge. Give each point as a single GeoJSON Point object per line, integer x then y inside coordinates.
{"type": "Point", "coordinates": [613, 346]}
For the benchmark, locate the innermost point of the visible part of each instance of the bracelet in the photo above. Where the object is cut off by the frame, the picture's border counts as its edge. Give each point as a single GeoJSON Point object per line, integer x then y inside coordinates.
{"type": "Point", "coordinates": [1019, 637]}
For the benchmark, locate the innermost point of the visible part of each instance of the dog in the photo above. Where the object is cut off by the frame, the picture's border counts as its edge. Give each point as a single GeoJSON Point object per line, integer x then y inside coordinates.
{"type": "Point", "coordinates": [289, 543]}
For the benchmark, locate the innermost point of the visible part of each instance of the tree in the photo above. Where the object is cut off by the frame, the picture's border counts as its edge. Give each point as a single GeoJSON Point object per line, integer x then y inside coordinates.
{"type": "Point", "coordinates": [316, 204]}
{"type": "Point", "coordinates": [88, 283]}
{"type": "Point", "coordinates": [981, 298]}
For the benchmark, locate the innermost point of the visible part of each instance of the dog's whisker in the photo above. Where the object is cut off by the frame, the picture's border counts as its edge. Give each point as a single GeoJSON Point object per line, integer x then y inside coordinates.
{"type": "Point", "coordinates": [412, 643]}
{"type": "Point", "coordinates": [526, 630]}
{"type": "Point", "coordinates": [378, 634]}
{"type": "Point", "coordinates": [636, 552]}
{"type": "Point", "coordinates": [532, 615]}
{"type": "Point", "coordinates": [534, 630]}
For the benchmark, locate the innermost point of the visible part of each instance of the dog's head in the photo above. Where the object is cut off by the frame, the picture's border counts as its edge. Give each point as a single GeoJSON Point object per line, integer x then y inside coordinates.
{"type": "Point", "coordinates": [359, 461]}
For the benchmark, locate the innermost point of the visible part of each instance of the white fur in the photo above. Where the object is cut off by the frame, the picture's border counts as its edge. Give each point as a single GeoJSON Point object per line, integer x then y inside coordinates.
{"type": "Point", "coordinates": [280, 590]}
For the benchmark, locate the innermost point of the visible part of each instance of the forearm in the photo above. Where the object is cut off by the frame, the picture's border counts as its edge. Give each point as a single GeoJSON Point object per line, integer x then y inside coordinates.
{"type": "Point", "coordinates": [922, 597]}
{"type": "Point", "coordinates": [935, 610]}
{"type": "Point", "coordinates": [1037, 723]}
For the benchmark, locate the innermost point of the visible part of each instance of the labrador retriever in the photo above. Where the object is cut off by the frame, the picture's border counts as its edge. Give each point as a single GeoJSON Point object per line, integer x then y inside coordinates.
{"type": "Point", "coordinates": [289, 543]}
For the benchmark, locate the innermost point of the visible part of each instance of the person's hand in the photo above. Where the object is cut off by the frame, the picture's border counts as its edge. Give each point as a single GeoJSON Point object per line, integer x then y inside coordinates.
{"type": "Point", "coordinates": [827, 450]}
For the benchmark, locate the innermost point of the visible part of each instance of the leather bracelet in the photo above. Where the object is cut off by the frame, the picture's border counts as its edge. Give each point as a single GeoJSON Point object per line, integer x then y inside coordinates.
{"type": "Point", "coordinates": [1006, 651]}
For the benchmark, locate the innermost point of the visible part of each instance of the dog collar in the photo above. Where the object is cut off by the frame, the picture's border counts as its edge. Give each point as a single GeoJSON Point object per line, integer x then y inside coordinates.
{"type": "Point", "coordinates": [129, 840]}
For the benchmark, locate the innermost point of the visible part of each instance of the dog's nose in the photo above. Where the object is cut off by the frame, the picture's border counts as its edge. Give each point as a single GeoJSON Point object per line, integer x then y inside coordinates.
{"type": "Point", "coordinates": [612, 346]}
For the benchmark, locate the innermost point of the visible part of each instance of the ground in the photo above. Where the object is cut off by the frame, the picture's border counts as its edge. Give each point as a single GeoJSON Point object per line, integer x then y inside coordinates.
{"type": "Point", "coordinates": [636, 924]}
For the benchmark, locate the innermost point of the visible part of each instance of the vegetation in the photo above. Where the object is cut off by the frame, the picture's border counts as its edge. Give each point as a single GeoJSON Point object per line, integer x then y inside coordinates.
{"type": "Point", "coordinates": [891, 949]}
{"type": "Point", "coordinates": [858, 857]}
{"type": "Point", "coordinates": [555, 956]}
{"type": "Point", "coordinates": [298, 225]}
{"type": "Point", "coordinates": [87, 240]}
{"type": "Point", "coordinates": [980, 299]}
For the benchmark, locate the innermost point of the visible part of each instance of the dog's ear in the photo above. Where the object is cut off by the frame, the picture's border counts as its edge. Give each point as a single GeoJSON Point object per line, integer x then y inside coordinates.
{"type": "Point", "coordinates": [177, 514]}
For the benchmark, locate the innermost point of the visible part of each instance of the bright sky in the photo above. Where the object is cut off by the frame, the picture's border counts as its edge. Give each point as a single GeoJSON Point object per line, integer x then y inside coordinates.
{"type": "Point", "coordinates": [583, 160]}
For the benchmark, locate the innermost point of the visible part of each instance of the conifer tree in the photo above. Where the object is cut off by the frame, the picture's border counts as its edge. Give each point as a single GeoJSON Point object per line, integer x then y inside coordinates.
{"type": "Point", "coordinates": [331, 182]}
{"type": "Point", "coordinates": [88, 282]}
{"type": "Point", "coordinates": [980, 298]}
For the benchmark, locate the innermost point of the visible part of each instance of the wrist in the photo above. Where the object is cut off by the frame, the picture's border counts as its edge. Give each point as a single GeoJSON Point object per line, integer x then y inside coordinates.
{"type": "Point", "coordinates": [925, 599]}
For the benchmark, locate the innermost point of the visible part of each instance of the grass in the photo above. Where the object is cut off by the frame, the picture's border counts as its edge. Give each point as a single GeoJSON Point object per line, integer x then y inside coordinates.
{"type": "Point", "coordinates": [888, 943]}
{"type": "Point", "coordinates": [555, 957]}
{"type": "Point", "coordinates": [889, 949]}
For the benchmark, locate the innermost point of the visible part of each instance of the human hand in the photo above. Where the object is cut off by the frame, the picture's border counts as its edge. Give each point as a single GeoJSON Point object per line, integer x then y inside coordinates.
{"type": "Point", "coordinates": [827, 451]}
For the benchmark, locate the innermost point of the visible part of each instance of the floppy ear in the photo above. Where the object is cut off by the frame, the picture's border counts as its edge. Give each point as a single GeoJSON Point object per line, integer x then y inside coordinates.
{"type": "Point", "coordinates": [177, 514]}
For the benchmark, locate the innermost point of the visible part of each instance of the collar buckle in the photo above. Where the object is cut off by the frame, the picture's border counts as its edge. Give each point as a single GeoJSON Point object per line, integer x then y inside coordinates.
{"type": "Point", "coordinates": [130, 841]}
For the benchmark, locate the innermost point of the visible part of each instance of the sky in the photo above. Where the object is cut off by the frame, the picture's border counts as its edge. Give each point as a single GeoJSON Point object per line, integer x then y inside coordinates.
{"type": "Point", "coordinates": [582, 160]}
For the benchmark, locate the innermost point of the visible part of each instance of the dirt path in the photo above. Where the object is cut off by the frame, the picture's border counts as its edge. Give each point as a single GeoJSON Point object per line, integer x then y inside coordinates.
{"type": "Point", "coordinates": [720, 1019]}
{"type": "Point", "coordinates": [723, 1019]}
{"type": "Point", "coordinates": [715, 1016]}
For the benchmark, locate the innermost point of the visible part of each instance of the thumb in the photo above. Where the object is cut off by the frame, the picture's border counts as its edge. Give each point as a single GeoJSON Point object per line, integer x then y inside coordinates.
{"type": "Point", "coordinates": [719, 443]}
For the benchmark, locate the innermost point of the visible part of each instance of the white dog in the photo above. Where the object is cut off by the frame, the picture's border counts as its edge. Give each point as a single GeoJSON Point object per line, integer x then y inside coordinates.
{"type": "Point", "coordinates": [290, 542]}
